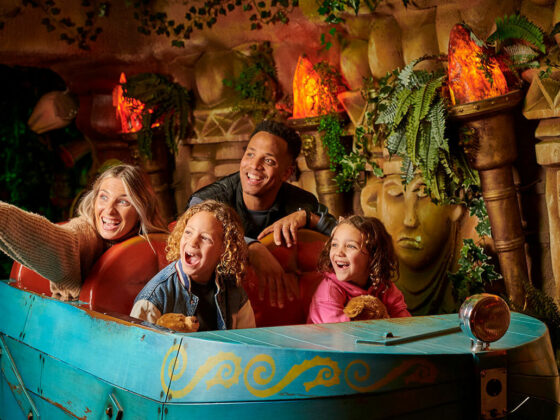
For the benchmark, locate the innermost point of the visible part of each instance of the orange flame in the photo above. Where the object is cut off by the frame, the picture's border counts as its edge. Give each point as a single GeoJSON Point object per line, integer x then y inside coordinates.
{"type": "Point", "coordinates": [469, 79]}
{"type": "Point", "coordinates": [129, 110]}
{"type": "Point", "coordinates": [312, 96]}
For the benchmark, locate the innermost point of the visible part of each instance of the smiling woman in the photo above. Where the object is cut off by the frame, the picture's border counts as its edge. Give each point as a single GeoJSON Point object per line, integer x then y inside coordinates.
{"type": "Point", "coordinates": [119, 205]}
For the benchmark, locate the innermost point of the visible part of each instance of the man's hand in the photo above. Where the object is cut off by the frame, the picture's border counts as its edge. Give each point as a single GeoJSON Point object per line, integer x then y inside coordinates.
{"type": "Point", "coordinates": [286, 228]}
{"type": "Point", "coordinates": [271, 275]}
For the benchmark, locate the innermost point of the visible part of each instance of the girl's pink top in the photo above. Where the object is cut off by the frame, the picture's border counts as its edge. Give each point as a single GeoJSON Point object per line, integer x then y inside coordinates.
{"type": "Point", "coordinates": [332, 295]}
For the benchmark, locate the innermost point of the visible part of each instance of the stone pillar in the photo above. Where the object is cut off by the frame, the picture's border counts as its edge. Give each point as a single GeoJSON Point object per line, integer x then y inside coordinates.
{"type": "Point", "coordinates": [548, 156]}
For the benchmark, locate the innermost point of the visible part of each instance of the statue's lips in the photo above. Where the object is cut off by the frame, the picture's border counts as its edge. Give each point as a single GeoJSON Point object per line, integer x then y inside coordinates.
{"type": "Point", "coordinates": [410, 243]}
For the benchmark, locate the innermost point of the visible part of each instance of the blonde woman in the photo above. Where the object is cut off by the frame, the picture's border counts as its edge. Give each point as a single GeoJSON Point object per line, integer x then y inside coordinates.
{"type": "Point", "coordinates": [203, 282]}
{"type": "Point", "coordinates": [119, 205]}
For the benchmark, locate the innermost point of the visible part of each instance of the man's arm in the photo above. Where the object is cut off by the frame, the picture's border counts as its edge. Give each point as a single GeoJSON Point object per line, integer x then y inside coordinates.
{"type": "Point", "coordinates": [285, 229]}
{"type": "Point", "coordinates": [272, 276]}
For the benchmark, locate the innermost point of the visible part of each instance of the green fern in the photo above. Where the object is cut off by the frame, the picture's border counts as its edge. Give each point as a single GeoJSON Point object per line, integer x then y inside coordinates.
{"type": "Point", "coordinates": [404, 100]}
{"type": "Point", "coordinates": [517, 27]}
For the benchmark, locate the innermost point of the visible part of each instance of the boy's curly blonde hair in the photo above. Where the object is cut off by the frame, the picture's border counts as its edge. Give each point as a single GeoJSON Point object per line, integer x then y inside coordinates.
{"type": "Point", "coordinates": [233, 260]}
{"type": "Point", "coordinates": [383, 263]}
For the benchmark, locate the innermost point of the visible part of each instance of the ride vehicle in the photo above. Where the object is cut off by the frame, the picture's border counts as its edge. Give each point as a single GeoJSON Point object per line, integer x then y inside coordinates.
{"type": "Point", "coordinates": [90, 360]}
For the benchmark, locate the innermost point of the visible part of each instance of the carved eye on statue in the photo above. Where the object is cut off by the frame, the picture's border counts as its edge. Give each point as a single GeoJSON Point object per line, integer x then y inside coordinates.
{"type": "Point", "coordinates": [421, 190]}
{"type": "Point", "coordinates": [393, 189]}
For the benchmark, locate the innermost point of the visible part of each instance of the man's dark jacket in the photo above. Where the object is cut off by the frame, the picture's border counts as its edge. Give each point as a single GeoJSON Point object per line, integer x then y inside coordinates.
{"type": "Point", "coordinates": [289, 199]}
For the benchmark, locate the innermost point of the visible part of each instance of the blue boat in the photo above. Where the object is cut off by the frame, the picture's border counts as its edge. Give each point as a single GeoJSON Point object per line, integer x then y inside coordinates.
{"type": "Point", "coordinates": [62, 360]}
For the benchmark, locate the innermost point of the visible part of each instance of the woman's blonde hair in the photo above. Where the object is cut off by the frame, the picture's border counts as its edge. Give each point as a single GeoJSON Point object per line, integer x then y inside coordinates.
{"type": "Point", "coordinates": [233, 261]}
{"type": "Point", "coordinates": [139, 191]}
{"type": "Point", "coordinates": [377, 243]}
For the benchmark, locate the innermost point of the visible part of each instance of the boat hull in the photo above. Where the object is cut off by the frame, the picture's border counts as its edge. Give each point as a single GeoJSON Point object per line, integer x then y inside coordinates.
{"type": "Point", "coordinates": [78, 363]}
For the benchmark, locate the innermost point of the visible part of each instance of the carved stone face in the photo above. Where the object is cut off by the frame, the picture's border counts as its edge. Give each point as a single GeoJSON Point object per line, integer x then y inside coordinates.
{"type": "Point", "coordinates": [420, 229]}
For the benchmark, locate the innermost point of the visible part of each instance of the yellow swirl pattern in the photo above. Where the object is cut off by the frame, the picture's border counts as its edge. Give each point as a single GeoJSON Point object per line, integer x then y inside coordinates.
{"type": "Point", "coordinates": [424, 372]}
{"type": "Point", "coordinates": [226, 375]}
{"type": "Point", "coordinates": [328, 376]}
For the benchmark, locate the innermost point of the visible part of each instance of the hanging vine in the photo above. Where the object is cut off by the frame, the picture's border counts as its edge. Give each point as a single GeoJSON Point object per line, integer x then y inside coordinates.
{"type": "Point", "coordinates": [207, 14]}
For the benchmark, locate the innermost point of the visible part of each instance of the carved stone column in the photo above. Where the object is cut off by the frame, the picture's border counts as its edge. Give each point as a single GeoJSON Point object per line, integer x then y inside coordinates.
{"type": "Point", "coordinates": [548, 156]}
{"type": "Point", "coordinates": [317, 160]}
{"type": "Point", "coordinates": [492, 125]}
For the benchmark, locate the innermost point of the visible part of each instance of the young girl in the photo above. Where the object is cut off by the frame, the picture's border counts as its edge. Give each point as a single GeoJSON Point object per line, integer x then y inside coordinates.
{"type": "Point", "coordinates": [358, 259]}
{"type": "Point", "coordinates": [205, 280]}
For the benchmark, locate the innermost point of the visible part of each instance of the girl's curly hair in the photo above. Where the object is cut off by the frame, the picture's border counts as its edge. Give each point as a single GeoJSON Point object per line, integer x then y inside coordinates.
{"type": "Point", "coordinates": [383, 262]}
{"type": "Point", "coordinates": [233, 261]}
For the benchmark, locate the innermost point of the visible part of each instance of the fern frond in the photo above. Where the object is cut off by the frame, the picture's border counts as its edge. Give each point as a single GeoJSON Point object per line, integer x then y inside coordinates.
{"type": "Point", "coordinates": [437, 117]}
{"type": "Point", "coordinates": [407, 170]}
{"type": "Point", "coordinates": [427, 96]}
{"type": "Point", "coordinates": [520, 53]}
{"type": "Point", "coordinates": [517, 27]}
{"type": "Point", "coordinates": [406, 73]}
{"type": "Point", "coordinates": [421, 77]}
{"type": "Point", "coordinates": [396, 143]}
{"type": "Point", "coordinates": [411, 131]}
{"type": "Point", "coordinates": [387, 115]}
{"type": "Point", "coordinates": [404, 99]}
{"type": "Point", "coordinates": [428, 150]}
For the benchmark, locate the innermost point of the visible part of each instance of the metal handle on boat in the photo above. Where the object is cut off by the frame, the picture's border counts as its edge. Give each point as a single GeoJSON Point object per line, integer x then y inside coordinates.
{"type": "Point", "coordinates": [400, 340]}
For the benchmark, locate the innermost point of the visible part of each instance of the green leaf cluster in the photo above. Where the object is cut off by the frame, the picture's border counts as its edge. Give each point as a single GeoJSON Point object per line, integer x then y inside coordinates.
{"type": "Point", "coordinates": [516, 28]}
{"type": "Point", "coordinates": [412, 115]}
{"type": "Point", "coordinates": [257, 82]}
{"type": "Point", "coordinates": [542, 306]}
{"type": "Point", "coordinates": [166, 103]}
{"type": "Point", "coordinates": [476, 272]}
{"type": "Point", "coordinates": [81, 33]}
{"type": "Point", "coordinates": [205, 14]}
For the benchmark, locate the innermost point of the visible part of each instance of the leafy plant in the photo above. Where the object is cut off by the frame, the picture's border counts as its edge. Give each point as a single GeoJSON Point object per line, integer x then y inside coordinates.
{"type": "Point", "coordinates": [476, 273]}
{"type": "Point", "coordinates": [412, 113]}
{"type": "Point", "coordinates": [166, 103]}
{"type": "Point", "coordinates": [207, 14]}
{"type": "Point", "coordinates": [256, 84]}
{"type": "Point", "coordinates": [545, 308]}
{"type": "Point", "coordinates": [523, 45]}
{"type": "Point", "coordinates": [71, 31]}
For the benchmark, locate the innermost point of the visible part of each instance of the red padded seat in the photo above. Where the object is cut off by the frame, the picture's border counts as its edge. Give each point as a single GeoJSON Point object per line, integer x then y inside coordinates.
{"type": "Point", "coordinates": [121, 272]}
{"type": "Point", "coordinates": [114, 280]}
{"type": "Point", "coordinates": [301, 258]}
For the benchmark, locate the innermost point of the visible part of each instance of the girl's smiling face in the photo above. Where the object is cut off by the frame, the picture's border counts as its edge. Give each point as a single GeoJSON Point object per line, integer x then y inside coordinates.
{"type": "Point", "coordinates": [348, 257]}
{"type": "Point", "coordinates": [201, 246]}
{"type": "Point", "coordinates": [115, 216]}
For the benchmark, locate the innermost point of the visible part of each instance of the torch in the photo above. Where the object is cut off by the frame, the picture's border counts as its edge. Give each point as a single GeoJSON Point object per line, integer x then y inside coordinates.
{"type": "Point", "coordinates": [485, 107]}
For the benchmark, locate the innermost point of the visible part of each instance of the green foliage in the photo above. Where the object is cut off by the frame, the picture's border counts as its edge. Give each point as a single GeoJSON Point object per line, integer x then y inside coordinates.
{"type": "Point", "coordinates": [476, 273]}
{"type": "Point", "coordinates": [166, 103]}
{"type": "Point", "coordinates": [542, 306]}
{"type": "Point", "coordinates": [82, 33]}
{"type": "Point", "coordinates": [256, 84]}
{"type": "Point", "coordinates": [411, 113]}
{"type": "Point", "coordinates": [206, 14]}
{"type": "Point", "coordinates": [30, 162]}
{"type": "Point", "coordinates": [516, 27]}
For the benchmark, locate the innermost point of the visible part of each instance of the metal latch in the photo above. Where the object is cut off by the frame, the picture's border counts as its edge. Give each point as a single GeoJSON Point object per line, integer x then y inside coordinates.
{"type": "Point", "coordinates": [493, 393]}
{"type": "Point", "coordinates": [113, 409]}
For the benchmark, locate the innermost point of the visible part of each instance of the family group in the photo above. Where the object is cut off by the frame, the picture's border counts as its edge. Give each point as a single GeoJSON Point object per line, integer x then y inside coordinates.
{"type": "Point", "coordinates": [214, 241]}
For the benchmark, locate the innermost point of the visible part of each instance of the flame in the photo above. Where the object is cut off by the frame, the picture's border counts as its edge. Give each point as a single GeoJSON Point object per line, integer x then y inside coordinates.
{"type": "Point", "coordinates": [312, 96]}
{"type": "Point", "coordinates": [129, 110]}
{"type": "Point", "coordinates": [468, 80]}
